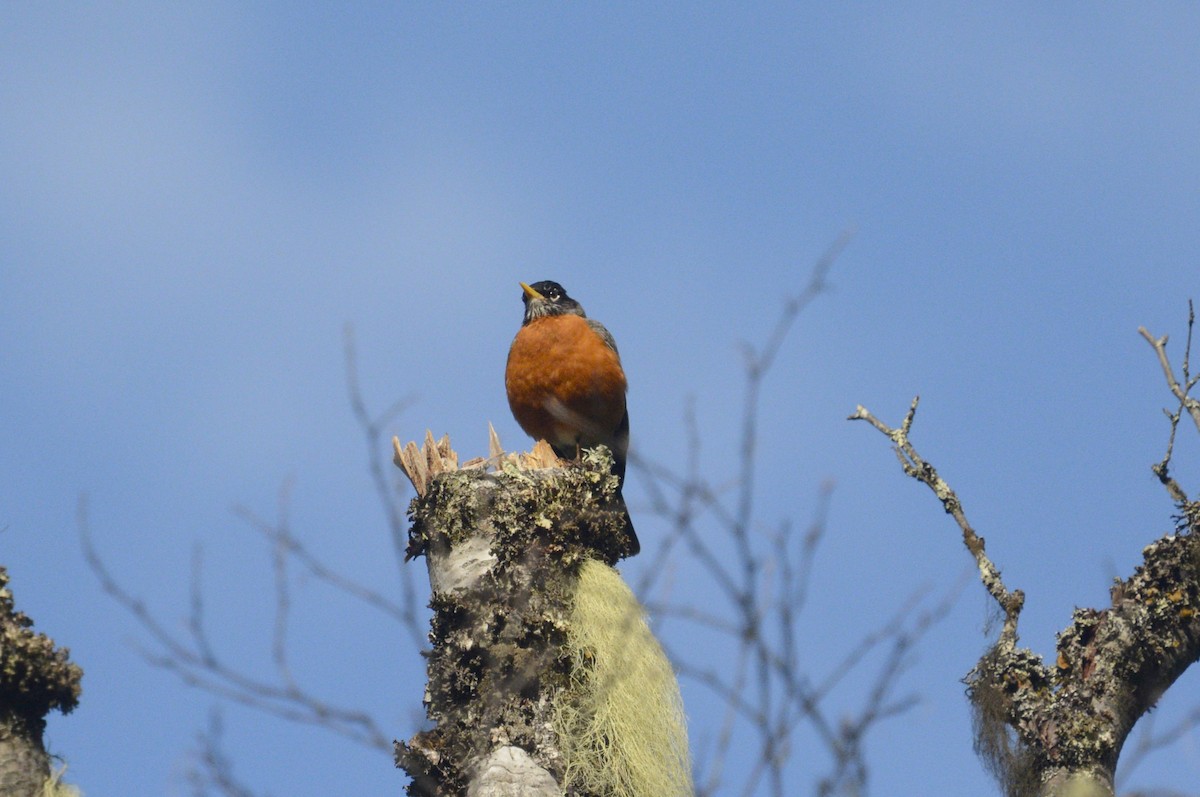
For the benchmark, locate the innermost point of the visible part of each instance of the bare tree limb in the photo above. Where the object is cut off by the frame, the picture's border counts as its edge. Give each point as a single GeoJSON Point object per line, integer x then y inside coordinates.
{"type": "Point", "coordinates": [1009, 602]}
{"type": "Point", "coordinates": [1149, 741]}
{"type": "Point", "coordinates": [194, 658]}
{"type": "Point", "coordinates": [197, 664]}
{"type": "Point", "coordinates": [1181, 392]}
{"type": "Point", "coordinates": [280, 536]}
{"type": "Point", "coordinates": [373, 428]}
{"type": "Point", "coordinates": [212, 768]}
{"type": "Point", "coordinates": [761, 577]}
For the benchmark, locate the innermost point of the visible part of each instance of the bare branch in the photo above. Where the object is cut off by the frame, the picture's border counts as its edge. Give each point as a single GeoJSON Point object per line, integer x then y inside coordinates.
{"type": "Point", "coordinates": [283, 600]}
{"type": "Point", "coordinates": [387, 491]}
{"type": "Point", "coordinates": [733, 706]}
{"type": "Point", "coordinates": [758, 363]}
{"type": "Point", "coordinates": [197, 664]}
{"type": "Point", "coordinates": [1182, 394]}
{"type": "Point", "coordinates": [1180, 391]}
{"type": "Point", "coordinates": [212, 771]}
{"type": "Point", "coordinates": [281, 536]}
{"type": "Point", "coordinates": [764, 576]}
{"type": "Point", "coordinates": [1148, 742]}
{"type": "Point", "coordinates": [762, 359]}
{"type": "Point", "coordinates": [916, 467]}
{"type": "Point", "coordinates": [196, 606]}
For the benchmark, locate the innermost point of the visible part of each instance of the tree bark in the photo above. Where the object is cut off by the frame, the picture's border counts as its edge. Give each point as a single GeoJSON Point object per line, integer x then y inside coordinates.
{"type": "Point", "coordinates": [1071, 719]}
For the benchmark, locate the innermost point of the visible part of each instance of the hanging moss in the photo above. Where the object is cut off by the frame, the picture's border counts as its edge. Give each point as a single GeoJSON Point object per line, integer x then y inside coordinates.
{"type": "Point", "coordinates": [620, 723]}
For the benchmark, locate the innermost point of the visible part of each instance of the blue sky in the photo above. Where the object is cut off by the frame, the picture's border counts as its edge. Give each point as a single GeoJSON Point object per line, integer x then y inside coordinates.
{"type": "Point", "coordinates": [196, 199]}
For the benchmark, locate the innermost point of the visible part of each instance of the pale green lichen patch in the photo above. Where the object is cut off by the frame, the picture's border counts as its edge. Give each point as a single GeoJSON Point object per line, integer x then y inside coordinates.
{"type": "Point", "coordinates": [620, 724]}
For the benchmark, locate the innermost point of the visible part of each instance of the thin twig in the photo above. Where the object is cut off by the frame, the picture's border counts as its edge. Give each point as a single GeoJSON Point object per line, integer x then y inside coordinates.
{"type": "Point", "coordinates": [386, 490]}
{"type": "Point", "coordinates": [296, 549]}
{"type": "Point", "coordinates": [1181, 392]}
{"type": "Point", "coordinates": [1149, 742]}
{"type": "Point", "coordinates": [196, 608]}
{"type": "Point", "coordinates": [213, 768]}
{"type": "Point", "coordinates": [198, 665]}
{"type": "Point", "coordinates": [283, 600]}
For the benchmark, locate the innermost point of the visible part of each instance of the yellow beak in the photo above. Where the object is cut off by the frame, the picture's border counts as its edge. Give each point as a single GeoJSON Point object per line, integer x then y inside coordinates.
{"type": "Point", "coordinates": [530, 292]}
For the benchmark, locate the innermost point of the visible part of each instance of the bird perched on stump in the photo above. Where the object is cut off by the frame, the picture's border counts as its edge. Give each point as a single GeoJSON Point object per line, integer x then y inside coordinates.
{"type": "Point", "coordinates": [565, 382]}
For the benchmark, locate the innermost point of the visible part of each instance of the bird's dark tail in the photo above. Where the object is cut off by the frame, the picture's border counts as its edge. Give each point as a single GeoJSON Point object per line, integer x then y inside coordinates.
{"type": "Point", "coordinates": [635, 547]}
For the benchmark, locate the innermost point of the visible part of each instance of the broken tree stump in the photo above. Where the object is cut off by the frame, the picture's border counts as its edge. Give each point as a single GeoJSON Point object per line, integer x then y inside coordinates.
{"type": "Point", "coordinates": [544, 677]}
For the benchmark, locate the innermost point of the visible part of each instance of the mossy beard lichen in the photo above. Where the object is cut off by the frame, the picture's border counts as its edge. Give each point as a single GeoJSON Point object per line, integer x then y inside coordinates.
{"type": "Point", "coordinates": [1006, 688]}
{"type": "Point", "coordinates": [620, 725]}
{"type": "Point", "coordinates": [500, 652]}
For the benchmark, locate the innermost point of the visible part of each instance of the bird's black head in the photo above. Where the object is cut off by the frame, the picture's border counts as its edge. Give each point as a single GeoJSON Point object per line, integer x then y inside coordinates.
{"type": "Point", "coordinates": [548, 298]}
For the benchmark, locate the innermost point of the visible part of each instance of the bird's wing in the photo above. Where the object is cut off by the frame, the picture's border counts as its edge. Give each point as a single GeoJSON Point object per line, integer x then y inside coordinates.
{"type": "Point", "coordinates": [605, 335]}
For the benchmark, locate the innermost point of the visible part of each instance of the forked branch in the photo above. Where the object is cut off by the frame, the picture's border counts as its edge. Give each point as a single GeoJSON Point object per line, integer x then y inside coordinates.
{"type": "Point", "coordinates": [1181, 389]}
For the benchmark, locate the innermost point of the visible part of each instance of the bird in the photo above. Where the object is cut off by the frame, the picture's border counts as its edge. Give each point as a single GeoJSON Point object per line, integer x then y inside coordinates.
{"type": "Point", "coordinates": [565, 382]}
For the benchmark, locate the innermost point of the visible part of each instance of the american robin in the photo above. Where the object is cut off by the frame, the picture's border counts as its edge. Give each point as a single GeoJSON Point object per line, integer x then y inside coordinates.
{"type": "Point", "coordinates": [565, 382]}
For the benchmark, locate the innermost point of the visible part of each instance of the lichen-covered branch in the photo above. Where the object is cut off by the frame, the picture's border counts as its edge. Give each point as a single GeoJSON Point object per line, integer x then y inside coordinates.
{"type": "Point", "coordinates": [1112, 665]}
{"type": "Point", "coordinates": [543, 676]}
{"type": "Point", "coordinates": [35, 678]}
{"type": "Point", "coordinates": [1058, 730]}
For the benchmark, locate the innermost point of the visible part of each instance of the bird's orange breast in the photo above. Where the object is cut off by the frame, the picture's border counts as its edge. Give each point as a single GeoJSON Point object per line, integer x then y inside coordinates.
{"type": "Point", "coordinates": [565, 385]}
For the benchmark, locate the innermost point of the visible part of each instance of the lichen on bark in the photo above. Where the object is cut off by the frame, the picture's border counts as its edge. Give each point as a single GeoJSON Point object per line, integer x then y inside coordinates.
{"type": "Point", "coordinates": [498, 631]}
{"type": "Point", "coordinates": [35, 677]}
{"type": "Point", "coordinates": [1069, 721]}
